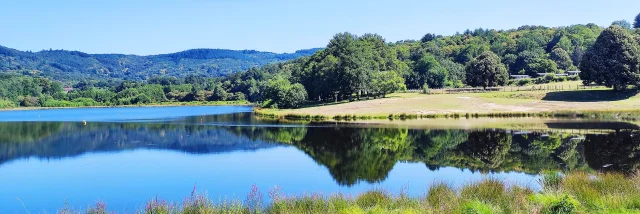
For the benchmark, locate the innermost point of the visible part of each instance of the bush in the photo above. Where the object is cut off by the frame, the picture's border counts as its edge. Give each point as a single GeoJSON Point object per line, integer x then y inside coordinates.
{"type": "Point", "coordinates": [573, 78]}
{"type": "Point", "coordinates": [523, 82]}
{"type": "Point", "coordinates": [7, 104]}
{"type": "Point", "coordinates": [425, 89]}
{"type": "Point", "coordinates": [85, 102]}
{"type": "Point", "coordinates": [29, 101]}
{"type": "Point", "coordinates": [59, 103]}
{"type": "Point", "coordinates": [549, 77]}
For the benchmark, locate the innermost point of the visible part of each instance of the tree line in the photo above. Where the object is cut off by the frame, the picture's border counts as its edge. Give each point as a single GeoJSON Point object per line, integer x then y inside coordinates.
{"type": "Point", "coordinates": [353, 66]}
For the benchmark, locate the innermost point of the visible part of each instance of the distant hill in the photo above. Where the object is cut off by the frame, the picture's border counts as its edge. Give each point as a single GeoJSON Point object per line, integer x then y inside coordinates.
{"type": "Point", "coordinates": [74, 65]}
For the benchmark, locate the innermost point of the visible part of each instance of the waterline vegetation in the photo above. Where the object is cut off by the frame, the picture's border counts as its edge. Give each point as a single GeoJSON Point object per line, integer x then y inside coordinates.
{"type": "Point", "coordinates": [575, 192]}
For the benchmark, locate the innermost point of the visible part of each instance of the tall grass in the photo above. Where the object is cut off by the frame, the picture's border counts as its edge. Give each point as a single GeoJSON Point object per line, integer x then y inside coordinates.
{"type": "Point", "coordinates": [576, 192]}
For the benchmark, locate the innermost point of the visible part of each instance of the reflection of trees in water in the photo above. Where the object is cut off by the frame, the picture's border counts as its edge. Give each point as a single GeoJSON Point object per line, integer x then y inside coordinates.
{"type": "Point", "coordinates": [73, 138]}
{"type": "Point", "coordinates": [350, 154]}
{"type": "Point", "coordinates": [21, 132]}
{"type": "Point", "coordinates": [368, 154]}
{"type": "Point", "coordinates": [487, 147]}
{"type": "Point", "coordinates": [618, 151]}
{"type": "Point", "coordinates": [356, 154]}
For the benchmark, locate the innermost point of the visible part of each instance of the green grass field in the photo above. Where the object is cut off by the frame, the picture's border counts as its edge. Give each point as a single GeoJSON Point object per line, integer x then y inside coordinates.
{"type": "Point", "coordinates": [487, 103]}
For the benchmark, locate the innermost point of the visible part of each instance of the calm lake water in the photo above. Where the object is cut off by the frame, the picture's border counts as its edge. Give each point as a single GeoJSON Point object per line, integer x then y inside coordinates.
{"type": "Point", "coordinates": [126, 156]}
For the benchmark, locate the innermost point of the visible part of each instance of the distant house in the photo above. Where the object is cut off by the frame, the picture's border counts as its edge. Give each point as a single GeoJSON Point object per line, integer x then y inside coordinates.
{"type": "Point", "coordinates": [573, 73]}
{"type": "Point", "coordinates": [517, 77]}
{"type": "Point", "coordinates": [67, 89]}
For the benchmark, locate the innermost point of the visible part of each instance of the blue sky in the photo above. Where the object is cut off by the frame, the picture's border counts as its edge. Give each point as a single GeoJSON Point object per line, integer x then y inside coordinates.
{"type": "Point", "coordinates": [160, 26]}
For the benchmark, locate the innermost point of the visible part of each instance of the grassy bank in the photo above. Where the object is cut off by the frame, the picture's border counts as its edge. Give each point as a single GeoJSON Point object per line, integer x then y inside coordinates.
{"type": "Point", "coordinates": [576, 192]}
{"type": "Point", "coordinates": [592, 103]}
{"type": "Point", "coordinates": [163, 104]}
{"type": "Point", "coordinates": [627, 114]}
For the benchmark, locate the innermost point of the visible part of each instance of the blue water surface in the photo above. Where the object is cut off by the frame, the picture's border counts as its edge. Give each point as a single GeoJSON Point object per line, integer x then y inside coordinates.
{"type": "Point", "coordinates": [127, 156]}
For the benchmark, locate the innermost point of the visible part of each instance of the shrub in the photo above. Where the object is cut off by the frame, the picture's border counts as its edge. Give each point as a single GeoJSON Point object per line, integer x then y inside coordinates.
{"type": "Point", "coordinates": [7, 104]}
{"type": "Point", "coordinates": [29, 101]}
{"type": "Point", "coordinates": [372, 198]}
{"type": "Point", "coordinates": [425, 89]}
{"type": "Point", "coordinates": [549, 77]}
{"type": "Point", "coordinates": [523, 82]}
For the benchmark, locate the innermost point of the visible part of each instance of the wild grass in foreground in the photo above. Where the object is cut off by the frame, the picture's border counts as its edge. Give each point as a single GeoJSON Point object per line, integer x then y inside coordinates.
{"type": "Point", "coordinates": [577, 192]}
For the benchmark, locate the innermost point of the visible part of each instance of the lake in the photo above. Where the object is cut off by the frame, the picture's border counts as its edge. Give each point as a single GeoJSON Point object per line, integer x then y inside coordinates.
{"type": "Point", "coordinates": [126, 156]}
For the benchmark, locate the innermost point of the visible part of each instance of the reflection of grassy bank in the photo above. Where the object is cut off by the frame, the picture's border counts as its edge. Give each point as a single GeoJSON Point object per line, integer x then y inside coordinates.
{"type": "Point", "coordinates": [622, 114]}
{"type": "Point", "coordinates": [574, 193]}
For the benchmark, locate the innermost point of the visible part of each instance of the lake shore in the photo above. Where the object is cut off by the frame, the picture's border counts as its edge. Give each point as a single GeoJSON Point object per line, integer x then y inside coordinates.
{"type": "Point", "coordinates": [575, 192]}
{"type": "Point", "coordinates": [168, 104]}
{"type": "Point", "coordinates": [605, 104]}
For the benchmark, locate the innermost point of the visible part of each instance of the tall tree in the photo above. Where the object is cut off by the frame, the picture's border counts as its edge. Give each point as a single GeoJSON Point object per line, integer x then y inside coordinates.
{"type": "Point", "coordinates": [613, 60]}
{"type": "Point", "coordinates": [562, 58]}
{"type": "Point", "coordinates": [636, 22]}
{"type": "Point", "coordinates": [486, 71]}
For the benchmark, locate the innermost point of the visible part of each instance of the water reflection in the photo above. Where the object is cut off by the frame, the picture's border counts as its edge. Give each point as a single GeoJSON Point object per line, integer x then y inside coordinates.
{"type": "Point", "coordinates": [351, 154]}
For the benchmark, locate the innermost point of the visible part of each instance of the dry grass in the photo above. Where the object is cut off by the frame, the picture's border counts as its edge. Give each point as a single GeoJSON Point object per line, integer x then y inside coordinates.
{"type": "Point", "coordinates": [475, 103]}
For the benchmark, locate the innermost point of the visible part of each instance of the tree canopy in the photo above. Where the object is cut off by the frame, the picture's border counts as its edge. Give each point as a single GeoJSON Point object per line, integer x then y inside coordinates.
{"type": "Point", "coordinates": [613, 60]}
{"type": "Point", "coordinates": [487, 71]}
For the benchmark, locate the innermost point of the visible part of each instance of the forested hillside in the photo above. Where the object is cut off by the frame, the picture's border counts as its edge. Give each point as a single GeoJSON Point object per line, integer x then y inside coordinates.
{"type": "Point", "coordinates": [70, 66]}
{"type": "Point", "coordinates": [350, 67]}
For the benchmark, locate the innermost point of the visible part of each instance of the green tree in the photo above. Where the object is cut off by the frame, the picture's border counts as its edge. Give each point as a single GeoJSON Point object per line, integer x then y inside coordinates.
{"type": "Point", "coordinates": [622, 23]}
{"type": "Point", "coordinates": [613, 60]}
{"type": "Point", "coordinates": [430, 72]}
{"type": "Point", "coordinates": [562, 58]}
{"type": "Point", "coordinates": [636, 22]}
{"type": "Point", "coordinates": [486, 71]}
{"type": "Point", "coordinates": [293, 97]}
{"type": "Point", "coordinates": [388, 82]}
{"type": "Point", "coordinates": [541, 65]}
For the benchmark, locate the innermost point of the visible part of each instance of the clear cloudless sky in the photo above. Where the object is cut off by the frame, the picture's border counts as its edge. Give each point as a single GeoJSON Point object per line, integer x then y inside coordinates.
{"type": "Point", "coordinates": [161, 26]}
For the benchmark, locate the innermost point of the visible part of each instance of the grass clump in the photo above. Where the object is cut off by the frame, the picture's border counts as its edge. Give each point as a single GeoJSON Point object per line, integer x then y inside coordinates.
{"type": "Point", "coordinates": [576, 192]}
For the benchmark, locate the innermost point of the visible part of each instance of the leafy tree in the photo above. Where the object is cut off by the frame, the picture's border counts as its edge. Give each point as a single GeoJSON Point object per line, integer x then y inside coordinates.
{"type": "Point", "coordinates": [293, 97]}
{"type": "Point", "coordinates": [622, 23]}
{"type": "Point", "coordinates": [388, 82]}
{"type": "Point", "coordinates": [429, 72]}
{"type": "Point", "coordinates": [613, 60]}
{"type": "Point", "coordinates": [636, 22]}
{"type": "Point", "coordinates": [541, 65]}
{"type": "Point", "coordinates": [561, 58]}
{"type": "Point", "coordinates": [486, 71]}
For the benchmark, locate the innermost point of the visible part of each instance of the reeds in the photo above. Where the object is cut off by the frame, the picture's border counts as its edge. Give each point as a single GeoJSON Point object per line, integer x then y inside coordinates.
{"type": "Point", "coordinates": [576, 192]}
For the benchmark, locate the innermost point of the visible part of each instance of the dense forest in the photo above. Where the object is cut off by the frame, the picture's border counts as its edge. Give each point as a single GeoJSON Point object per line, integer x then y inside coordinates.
{"type": "Point", "coordinates": [66, 66]}
{"type": "Point", "coordinates": [353, 66]}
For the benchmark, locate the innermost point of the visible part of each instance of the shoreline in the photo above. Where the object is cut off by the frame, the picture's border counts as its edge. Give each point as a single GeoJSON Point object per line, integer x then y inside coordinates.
{"type": "Point", "coordinates": [130, 106]}
{"type": "Point", "coordinates": [620, 114]}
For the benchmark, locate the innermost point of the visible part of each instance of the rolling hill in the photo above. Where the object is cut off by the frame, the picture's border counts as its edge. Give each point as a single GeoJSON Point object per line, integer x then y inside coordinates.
{"type": "Point", "coordinates": [66, 65]}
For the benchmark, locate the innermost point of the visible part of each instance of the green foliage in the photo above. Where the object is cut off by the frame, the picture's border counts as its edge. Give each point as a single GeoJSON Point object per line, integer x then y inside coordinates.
{"type": "Point", "coordinates": [613, 60]}
{"type": "Point", "coordinates": [486, 71]}
{"type": "Point", "coordinates": [65, 65]}
{"type": "Point", "coordinates": [387, 82]}
{"type": "Point", "coordinates": [636, 22]}
{"type": "Point", "coordinates": [622, 23]}
{"type": "Point", "coordinates": [284, 94]}
{"type": "Point", "coordinates": [562, 59]}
